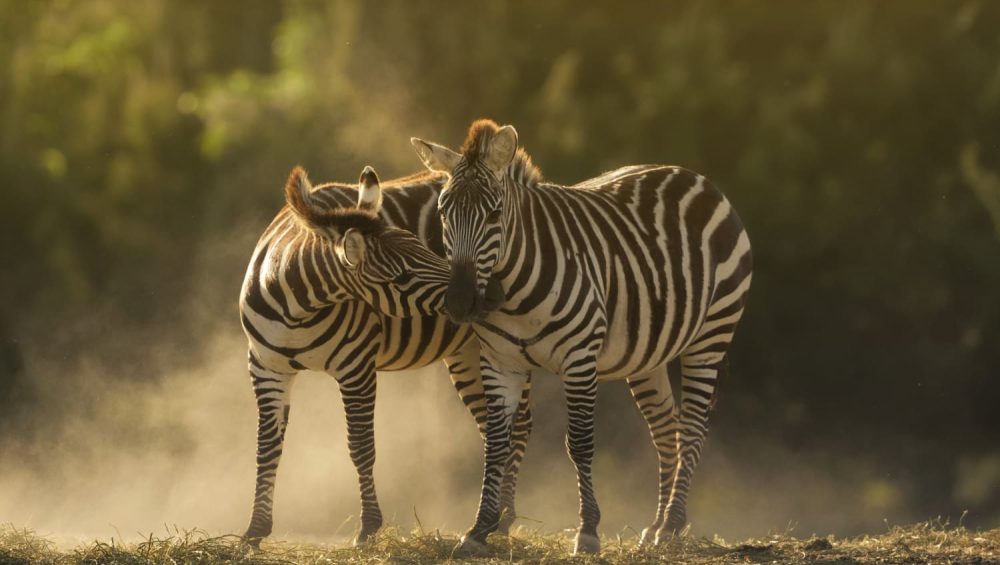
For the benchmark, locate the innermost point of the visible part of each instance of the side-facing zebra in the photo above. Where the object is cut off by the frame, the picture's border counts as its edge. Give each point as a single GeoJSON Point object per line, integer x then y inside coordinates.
{"type": "Point", "coordinates": [608, 279]}
{"type": "Point", "coordinates": [335, 286]}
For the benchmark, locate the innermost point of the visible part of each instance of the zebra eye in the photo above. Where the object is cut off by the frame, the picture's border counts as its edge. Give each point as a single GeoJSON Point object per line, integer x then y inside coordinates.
{"type": "Point", "coordinates": [403, 278]}
{"type": "Point", "coordinates": [494, 216]}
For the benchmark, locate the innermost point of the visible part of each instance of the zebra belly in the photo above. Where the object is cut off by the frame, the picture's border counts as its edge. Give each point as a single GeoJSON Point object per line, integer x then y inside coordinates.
{"type": "Point", "coordinates": [536, 339]}
{"type": "Point", "coordinates": [626, 352]}
{"type": "Point", "coordinates": [643, 331]}
{"type": "Point", "coordinates": [411, 343]}
{"type": "Point", "coordinates": [547, 354]}
{"type": "Point", "coordinates": [643, 334]}
{"type": "Point", "coordinates": [346, 334]}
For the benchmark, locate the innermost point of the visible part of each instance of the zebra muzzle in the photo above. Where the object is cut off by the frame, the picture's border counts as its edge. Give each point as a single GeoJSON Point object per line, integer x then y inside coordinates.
{"type": "Point", "coordinates": [494, 296]}
{"type": "Point", "coordinates": [462, 301]}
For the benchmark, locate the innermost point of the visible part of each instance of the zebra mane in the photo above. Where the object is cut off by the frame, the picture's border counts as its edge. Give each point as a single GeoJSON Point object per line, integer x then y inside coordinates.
{"type": "Point", "coordinates": [313, 212]}
{"type": "Point", "coordinates": [523, 171]}
{"type": "Point", "coordinates": [343, 219]}
{"type": "Point", "coordinates": [419, 177]}
{"type": "Point", "coordinates": [478, 140]}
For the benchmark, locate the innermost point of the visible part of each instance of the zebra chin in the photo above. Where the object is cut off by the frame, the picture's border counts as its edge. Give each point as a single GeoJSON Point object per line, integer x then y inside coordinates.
{"type": "Point", "coordinates": [462, 301]}
{"type": "Point", "coordinates": [461, 309]}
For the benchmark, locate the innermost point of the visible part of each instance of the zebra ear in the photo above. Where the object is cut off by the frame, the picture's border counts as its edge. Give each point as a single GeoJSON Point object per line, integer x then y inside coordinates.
{"type": "Point", "coordinates": [369, 191]}
{"type": "Point", "coordinates": [298, 195]}
{"type": "Point", "coordinates": [502, 148]}
{"type": "Point", "coordinates": [351, 249]}
{"type": "Point", "coordinates": [436, 157]}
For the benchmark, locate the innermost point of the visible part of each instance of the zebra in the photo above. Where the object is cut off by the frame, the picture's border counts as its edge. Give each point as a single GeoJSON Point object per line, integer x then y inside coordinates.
{"type": "Point", "coordinates": [334, 286]}
{"type": "Point", "coordinates": [611, 278]}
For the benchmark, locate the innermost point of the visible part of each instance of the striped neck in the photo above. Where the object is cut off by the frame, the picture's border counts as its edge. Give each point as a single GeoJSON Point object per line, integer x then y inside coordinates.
{"type": "Point", "coordinates": [519, 180]}
{"type": "Point", "coordinates": [336, 284]}
{"type": "Point", "coordinates": [514, 193]}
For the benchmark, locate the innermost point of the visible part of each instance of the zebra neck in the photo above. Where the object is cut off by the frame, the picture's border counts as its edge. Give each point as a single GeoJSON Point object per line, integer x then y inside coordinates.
{"type": "Point", "coordinates": [514, 198]}
{"type": "Point", "coordinates": [310, 276]}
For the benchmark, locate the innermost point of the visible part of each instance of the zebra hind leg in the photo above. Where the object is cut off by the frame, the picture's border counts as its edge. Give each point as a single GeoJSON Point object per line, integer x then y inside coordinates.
{"type": "Point", "coordinates": [357, 390]}
{"type": "Point", "coordinates": [655, 400]}
{"type": "Point", "coordinates": [699, 374]}
{"type": "Point", "coordinates": [272, 390]}
{"type": "Point", "coordinates": [701, 362]}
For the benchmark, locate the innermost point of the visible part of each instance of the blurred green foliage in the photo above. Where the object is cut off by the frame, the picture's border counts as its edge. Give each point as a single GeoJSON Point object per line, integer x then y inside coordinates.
{"type": "Point", "coordinates": [860, 142]}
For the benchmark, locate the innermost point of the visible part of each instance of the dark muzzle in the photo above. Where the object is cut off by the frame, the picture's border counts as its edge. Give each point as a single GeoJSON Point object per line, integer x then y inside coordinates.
{"type": "Point", "coordinates": [464, 304]}
{"type": "Point", "coordinates": [462, 300]}
{"type": "Point", "coordinates": [495, 296]}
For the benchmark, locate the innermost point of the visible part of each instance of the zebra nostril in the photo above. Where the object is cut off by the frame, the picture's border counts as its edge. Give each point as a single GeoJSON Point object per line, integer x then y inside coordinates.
{"type": "Point", "coordinates": [461, 298]}
{"type": "Point", "coordinates": [459, 304]}
{"type": "Point", "coordinates": [494, 296]}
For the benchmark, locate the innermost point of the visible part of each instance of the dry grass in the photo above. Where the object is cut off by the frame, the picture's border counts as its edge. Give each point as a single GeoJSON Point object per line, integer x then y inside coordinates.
{"type": "Point", "coordinates": [931, 542]}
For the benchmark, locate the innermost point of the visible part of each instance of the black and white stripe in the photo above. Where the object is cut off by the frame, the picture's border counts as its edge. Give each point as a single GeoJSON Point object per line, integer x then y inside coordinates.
{"type": "Point", "coordinates": [611, 278]}
{"type": "Point", "coordinates": [334, 286]}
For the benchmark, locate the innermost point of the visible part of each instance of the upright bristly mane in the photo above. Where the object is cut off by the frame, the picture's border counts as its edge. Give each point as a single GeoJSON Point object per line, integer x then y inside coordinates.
{"type": "Point", "coordinates": [478, 140]}
{"type": "Point", "coordinates": [523, 171]}
{"type": "Point", "coordinates": [315, 213]}
{"type": "Point", "coordinates": [343, 219]}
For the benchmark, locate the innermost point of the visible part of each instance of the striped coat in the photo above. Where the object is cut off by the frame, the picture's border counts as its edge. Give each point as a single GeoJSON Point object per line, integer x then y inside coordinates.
{"type": "Point", "coordinates": [304, 305]}
{"type": "Point", "coordinates": [611, 278]}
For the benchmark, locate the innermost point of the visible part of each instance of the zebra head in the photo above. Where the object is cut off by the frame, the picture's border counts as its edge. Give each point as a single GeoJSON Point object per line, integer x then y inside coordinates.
{"type": "Point", "coordinates": [386, 267]}
{"type": "Point", "coordinates": [472, 208]}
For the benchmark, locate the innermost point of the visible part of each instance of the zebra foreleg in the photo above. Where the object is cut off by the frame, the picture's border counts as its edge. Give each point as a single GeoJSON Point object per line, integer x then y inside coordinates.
{"type": "Point", "coordinates": [358, 392]}
{"type": "Point", "coordinates": [463, 368]}
{"type": "Point", "coordinates": [518, 445]}
{"type": "Point", "coordinates": [580, 386]}
{"type": "Point", "coordinates": [503, 393]}
{"type": "Point", "coordinates": [655, 400]}
{"type": "Point", "coordinates": [272, 390]}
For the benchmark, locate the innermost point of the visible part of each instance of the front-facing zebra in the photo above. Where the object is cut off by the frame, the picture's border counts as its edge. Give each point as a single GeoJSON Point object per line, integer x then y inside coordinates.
{"type": "Point", "coordinates": [333, 286]}
{"type": "Point", "coordinates": [608, 279]}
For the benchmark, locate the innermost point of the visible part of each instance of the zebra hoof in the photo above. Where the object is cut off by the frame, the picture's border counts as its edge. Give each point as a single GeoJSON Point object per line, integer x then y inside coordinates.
{"type": "Point", "coordinates": [363, 538]}
{"type": "Point", "coordinates": [258, 530]}
{"type": "Point", "coordinates": [469, 547]}
{"type": "Point", "coordinates": [254, 536]}
{"type": "Point", "coordinates": [506, 521]}
{"type": "Point", "coordinates": [668, 533]}
{"type": "Point", "coordinates": [586, 543]}
{"type": "Point", "coordinates": [664, 537]}
{"type": "Point", "coordinates": [371, 523]}
{"type": "Point", "coordinates": [648, 537]}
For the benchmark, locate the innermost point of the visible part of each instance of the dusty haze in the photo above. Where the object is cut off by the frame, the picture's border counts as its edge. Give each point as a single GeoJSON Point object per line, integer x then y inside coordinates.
{"type": "Point", "coordinates": [125, 449]}
{"type": "Point", "coordinates": [130, 430]}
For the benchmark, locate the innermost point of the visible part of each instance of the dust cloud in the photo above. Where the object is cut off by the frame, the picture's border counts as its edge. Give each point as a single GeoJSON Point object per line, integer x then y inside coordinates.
{"type": "Point", "coordinates": [120, 457]}
{"type": "Point", "coordinates": [124, 433]}
{"type": "Point", "coordinates": [125, 457]}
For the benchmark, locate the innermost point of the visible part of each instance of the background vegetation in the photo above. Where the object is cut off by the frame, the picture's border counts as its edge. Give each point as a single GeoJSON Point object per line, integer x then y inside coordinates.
{"type": "Point", "coordinates": [143, 146]}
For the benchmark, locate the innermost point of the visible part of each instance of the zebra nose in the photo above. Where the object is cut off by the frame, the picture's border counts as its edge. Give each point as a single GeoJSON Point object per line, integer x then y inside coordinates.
{"type": "Point", "coordinates": [494, 296]}
{"type": "Point", "coordinates": [460, 298]}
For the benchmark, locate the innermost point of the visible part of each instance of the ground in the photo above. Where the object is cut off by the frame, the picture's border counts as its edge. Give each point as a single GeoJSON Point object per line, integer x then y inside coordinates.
{"type": "Point", "coordinates": [930, 542]}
